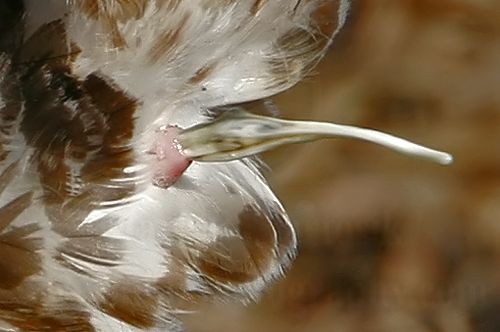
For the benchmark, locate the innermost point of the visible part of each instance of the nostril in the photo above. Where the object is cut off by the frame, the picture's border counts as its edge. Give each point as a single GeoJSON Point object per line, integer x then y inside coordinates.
{"type": "Point", "coordinates": [170, 163]}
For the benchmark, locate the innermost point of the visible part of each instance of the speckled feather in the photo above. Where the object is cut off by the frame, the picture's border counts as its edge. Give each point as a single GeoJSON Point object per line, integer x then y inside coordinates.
{"type": "Point", "coordinates": [88, 242]}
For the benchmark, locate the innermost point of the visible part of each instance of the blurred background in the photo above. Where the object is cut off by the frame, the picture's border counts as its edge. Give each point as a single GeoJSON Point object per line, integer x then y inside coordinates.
{"type": "Point", "coordinates": [387, 242]}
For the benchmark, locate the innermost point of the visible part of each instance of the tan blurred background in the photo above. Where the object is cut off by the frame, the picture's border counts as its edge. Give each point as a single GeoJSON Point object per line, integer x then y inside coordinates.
{"type": "Point", "coordinates": [390, 243]}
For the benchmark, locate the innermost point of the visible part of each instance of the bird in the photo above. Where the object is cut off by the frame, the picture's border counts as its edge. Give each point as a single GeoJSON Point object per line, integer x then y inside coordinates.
{"type": "Point", "coordinates": [129, 189]}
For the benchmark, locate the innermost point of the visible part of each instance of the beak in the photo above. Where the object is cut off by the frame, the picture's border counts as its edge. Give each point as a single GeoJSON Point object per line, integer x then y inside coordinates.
{"type": "Point", "coordinates": [237, 134]}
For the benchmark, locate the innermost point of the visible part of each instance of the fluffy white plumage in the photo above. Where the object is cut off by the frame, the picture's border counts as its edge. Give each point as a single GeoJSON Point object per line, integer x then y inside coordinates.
{"type": "Point", "coordinates": [87, 241]}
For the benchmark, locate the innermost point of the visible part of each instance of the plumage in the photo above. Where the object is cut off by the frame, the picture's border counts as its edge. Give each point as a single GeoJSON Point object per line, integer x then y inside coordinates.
{"type": "Point", "coordinates": [88, 242]}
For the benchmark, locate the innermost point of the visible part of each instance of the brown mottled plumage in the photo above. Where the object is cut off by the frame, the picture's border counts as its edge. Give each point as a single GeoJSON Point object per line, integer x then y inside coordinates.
{"type": "Point", "coordinates": [87, 241]}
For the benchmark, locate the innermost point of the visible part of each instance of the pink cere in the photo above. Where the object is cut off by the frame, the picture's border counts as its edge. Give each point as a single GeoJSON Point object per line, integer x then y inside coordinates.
{"type": "Point", "coordinates": [170, 163]}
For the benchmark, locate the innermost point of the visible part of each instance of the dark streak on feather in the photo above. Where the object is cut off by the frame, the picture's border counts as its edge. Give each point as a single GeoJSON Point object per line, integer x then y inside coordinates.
{"type": "Point", "coordinates": [18, 256]}
{"type": "Point", "coordinates": [166, 42]}
{"type": "Point", "coordinates": [237, 260]}
{"type": "Point", "coordinates": [132, 303]}
{"type": "Point", "coordinates": [35, 316]}
{"type": "Point", "coordinates": [80, 130]}
{"type": "Point", "coordinates": [303, 47]}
